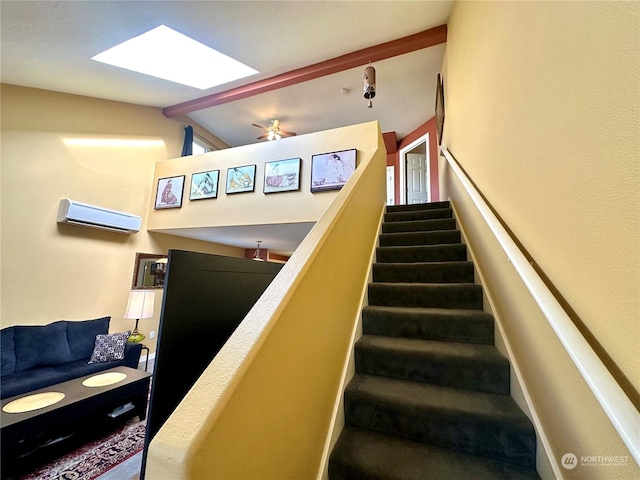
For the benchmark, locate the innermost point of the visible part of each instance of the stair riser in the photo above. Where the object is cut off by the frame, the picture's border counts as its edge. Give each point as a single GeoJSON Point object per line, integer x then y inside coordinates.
{"type": "Point", "coordinates": [484, 375]}
{"type": "Point", "coordinates": [419, 226]}
{"type": "Point", "coordinates": [430, 253]}
{"type": "Point", "coordinates": [455, 272]}
{"type": "Point", "coordinates": [438, 426]}
{"type": "Point", "coordinates": [420, 238]}
{"type": "Point", "coordinates": [428, 296]}
{"type": "Point", "coordinates": [418, 207]}
{"type": "Point", "coordinates": [447, 328]}
{"type": "Point", "coordinates": [418, 215]}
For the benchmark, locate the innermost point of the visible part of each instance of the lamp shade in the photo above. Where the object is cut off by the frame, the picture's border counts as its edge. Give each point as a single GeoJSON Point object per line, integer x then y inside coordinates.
{"type": "Point", "coordinates": [140, 304]}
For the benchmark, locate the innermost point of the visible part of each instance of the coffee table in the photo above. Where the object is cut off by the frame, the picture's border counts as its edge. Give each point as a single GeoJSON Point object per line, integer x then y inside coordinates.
{"type": "Point", "coordinates": [80, 408]}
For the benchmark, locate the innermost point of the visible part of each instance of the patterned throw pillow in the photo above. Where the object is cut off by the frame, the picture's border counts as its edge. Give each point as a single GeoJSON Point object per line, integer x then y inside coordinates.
{"type": "Point", "coordinates": [109, 347]}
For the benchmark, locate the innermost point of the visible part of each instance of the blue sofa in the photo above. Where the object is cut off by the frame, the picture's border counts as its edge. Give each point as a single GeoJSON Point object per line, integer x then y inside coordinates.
{"type": "Point", "coordinates": [35, 357]}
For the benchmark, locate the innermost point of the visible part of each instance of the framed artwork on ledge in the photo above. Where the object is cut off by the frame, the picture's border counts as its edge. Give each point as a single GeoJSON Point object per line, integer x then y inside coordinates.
{"type": "Point", "coordinates": [204, 185]}
{"type": "Point", "coordinates": [282, 176]}
{"type": "Point", "coordinates": [330, 171]}
{"type": "Point", "coordinates": [169, 193]}
{"type": "Point", "coordinates": [241, 179]}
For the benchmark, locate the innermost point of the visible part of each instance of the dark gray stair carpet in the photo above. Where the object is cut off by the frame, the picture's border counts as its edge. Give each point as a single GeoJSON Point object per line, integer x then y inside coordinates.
{"type": "Point", "coordinates": [447, 325]}
{"type": "Point", "coordinates": [430, 397]}
{"type": "Point", "coordinates": [422, 253]}
{"type": "Point", "coordinates": [418, 207]}
{"type": "Point", "coordinates": [364, 455]}
{"type": "Point", "coordinates": [431, 214]}
{"type": "Point", "coordinates": [419, 226]}
{"type": "Point", "coordinates": [419, 238]}
{"type": "Point", "coordinates": [461, 365]}
{"type": "Point", "coordinates": [425, 272]}
{"type": "Point", "coordinates": [428, 295]}
{"type": "Point", "coordinates": [479, 423]}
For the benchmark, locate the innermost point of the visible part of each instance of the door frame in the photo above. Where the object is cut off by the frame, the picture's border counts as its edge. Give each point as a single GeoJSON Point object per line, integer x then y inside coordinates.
{"type": "Point", "coordinates": [402, 166]}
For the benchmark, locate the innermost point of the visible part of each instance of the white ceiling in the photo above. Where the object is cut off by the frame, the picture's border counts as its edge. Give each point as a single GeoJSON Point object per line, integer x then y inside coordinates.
{"type": "Point", "coordinates": [49, 44]}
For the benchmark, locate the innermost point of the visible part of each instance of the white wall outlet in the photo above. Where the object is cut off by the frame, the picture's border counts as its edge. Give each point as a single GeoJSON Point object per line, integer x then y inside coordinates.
{"type": "Point", "coordinates": [152, 334]}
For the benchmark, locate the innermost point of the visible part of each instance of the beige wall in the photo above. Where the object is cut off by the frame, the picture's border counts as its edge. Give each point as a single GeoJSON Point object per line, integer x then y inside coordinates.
{"type": "Point", "coordinates": [542, 112]}
{"type": "Point", "coordinates": [51, 271]}
{"type": "Point", "coordinates": [257, 208]}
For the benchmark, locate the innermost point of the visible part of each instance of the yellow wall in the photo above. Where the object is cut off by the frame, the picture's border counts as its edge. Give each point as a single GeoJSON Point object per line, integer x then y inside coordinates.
{"type": "Point", "coordinates": [257, 208]}
{"type": "Point", "coordinates": [51, 271]}
{"type": "Point", "coordinates": [542, 112]}
{"type": "Point", "coordinates": [265, 403]}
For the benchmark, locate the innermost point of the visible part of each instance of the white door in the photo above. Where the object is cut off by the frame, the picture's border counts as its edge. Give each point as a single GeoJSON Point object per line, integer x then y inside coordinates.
{"type": "Point", "coordinates": [391, 186]}
{"type": "Point", "coordinates": [417, 179]}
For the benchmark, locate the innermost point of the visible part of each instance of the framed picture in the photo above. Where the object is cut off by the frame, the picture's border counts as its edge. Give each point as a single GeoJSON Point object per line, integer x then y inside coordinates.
{"type": "Point", "coordinates": [204, 185]}
{"type": "Point", "coordinates": [241, 179]}
{"type": "Point", "coordinates": [282, 176]}
{"type": "Point", "coordinates": [169, 194]}
{"type": "Point", "coordinates": [439, 109]}
{"type": "Point", "coordinates": [330, 171]}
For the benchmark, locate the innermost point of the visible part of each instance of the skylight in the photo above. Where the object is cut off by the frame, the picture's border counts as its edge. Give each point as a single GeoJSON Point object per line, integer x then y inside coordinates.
{"type": "Point", "coordinates": [170, 55]}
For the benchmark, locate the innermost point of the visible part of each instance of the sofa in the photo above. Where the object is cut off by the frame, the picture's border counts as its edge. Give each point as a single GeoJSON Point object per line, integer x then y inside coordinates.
{"type": "Point", "coordinates": [34, 357]}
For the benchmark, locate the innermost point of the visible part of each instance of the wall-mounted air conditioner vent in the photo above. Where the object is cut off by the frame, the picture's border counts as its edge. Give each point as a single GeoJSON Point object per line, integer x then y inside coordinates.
{"type": "Point", "coordinates": [85, 215]}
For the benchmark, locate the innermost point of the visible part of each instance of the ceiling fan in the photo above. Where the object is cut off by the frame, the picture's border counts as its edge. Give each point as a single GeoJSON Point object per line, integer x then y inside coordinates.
{"type": "Point", "coordinates": [273, 132]}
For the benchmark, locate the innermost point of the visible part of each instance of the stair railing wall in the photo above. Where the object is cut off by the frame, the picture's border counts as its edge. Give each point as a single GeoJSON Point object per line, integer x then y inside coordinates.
{"type": "Point", "coordinates": [263, 407]}
{"type": "Point", "coordinates": [338, 418]}
{"type": "Point", "coordinates": [615, 403]}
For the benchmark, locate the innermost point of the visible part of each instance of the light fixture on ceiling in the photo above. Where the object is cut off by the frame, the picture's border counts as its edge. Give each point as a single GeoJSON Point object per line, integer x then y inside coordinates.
{"type": "Point", "coordinates": [273, 136]}
{"type": "Point", "coordinates": [164, 53]}
{"type": "Point", "coordinates": [273, 132]}
{"type": "Point", "coordinates": [256, 256]}
{"type": "Point", "coordinates": [369, 84]}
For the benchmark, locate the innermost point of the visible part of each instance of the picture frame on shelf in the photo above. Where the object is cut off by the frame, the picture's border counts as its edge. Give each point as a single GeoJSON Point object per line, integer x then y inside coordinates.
{"type": "Point", "coordinates": [204, 185]}
{"type": "Point", "coordinates": [282, 176]}
{"type": "Point", "coordinates": [241, 179]}
{"type": "Point", "coordinates": [330, 171]}
{"type": "Point", "coordinates": [169, 193]}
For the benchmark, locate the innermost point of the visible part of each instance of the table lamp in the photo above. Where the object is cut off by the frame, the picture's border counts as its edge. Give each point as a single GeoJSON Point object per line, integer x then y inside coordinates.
{"type": "Point", "coordinates": [140, 306]}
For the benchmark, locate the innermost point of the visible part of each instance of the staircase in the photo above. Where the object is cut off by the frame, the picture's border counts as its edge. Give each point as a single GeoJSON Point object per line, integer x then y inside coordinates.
{"type": "Point", "coordinates": [430, 397]}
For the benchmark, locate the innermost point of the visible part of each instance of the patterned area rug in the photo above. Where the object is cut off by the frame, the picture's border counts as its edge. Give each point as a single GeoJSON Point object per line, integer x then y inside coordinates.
{"type": "Point", "coordinates": [95, 458]}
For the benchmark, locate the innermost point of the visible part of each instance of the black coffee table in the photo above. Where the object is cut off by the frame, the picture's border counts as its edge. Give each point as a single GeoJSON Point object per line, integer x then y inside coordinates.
{"type": "Point", "coordinates": [81, 409]}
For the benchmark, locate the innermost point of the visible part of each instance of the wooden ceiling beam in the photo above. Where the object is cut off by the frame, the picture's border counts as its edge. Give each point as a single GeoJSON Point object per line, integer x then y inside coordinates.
{"type": "Point", "coordinates": [418, 41]}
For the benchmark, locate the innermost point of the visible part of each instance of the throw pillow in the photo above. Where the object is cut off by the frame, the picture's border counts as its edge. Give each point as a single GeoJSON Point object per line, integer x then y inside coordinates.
{"type": "Point", "coordinates": [109, 347]}
{"type": "Point", "coordinates": [41, 346]}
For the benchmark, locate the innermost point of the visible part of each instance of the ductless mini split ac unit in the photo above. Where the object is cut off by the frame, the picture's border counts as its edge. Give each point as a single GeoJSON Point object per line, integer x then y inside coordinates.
{"type": "Point", "coordinates": [85, 215]}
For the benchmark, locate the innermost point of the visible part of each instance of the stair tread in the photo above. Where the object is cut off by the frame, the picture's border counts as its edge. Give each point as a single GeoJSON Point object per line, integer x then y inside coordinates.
{"type": "Point", "coordinates": [424, 247]}
{"type": "Point", "coordinates": [462, 351]}
{"type": "Point", "coordinates": [425, 264]}
{"type": "Point", "coordinates": [418, 232]}
{"type": "Point", "coordinates": [453, 312]}
{"type": "Point", "coordinates": [363, 454]}
{"type": "Point", "coordinates": [426, 286]}
{"type": "Point", "coordinates": [419, 214]}
{"type": "Point", "coordinates": [415, 396]}
{"type": "Point", "coordinates": [418, 206]}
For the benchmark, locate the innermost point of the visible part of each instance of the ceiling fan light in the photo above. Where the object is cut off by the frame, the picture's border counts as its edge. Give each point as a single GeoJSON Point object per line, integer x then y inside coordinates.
{"type": "Point", "coordinates": [271, 135]}
{"type": "Point", "coordinates": [278, 137]}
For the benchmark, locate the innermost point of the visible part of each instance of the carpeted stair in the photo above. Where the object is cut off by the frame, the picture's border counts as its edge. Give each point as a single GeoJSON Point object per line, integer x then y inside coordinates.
{"type": "Point", "coordinates": [430, 397]}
